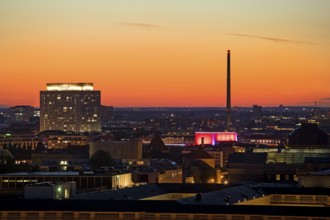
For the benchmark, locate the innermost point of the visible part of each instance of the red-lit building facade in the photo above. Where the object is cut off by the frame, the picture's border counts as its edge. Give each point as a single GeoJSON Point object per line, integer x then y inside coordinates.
{"type": "Point", "coordinates": [213, 138]}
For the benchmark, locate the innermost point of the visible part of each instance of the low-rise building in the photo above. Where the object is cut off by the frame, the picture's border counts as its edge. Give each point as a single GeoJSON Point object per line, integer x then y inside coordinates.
{"type": "Point", "coordinates": [21, 141]}
{"type": "Point", "coordinates": [49, 190]}
{"type": "Point", "coordinates": [88, 181]}
{"type": "Point", "coordinates": [63, 141]}
{"type": "Point", "coordinates": [315, 179]}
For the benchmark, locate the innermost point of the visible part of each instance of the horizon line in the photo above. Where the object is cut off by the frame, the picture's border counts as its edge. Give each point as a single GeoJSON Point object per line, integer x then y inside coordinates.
{"type": "Point", "coordinates": [251, 106]}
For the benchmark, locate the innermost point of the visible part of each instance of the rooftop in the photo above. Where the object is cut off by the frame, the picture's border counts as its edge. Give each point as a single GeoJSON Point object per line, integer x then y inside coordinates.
{"type": "Point", "coordinates": [199, 154]}
{"type": "Point", "coordinates": [70, 87]}
{"type": "Point", "coordinates": [42, 174]}
{"type": "Point", "coordinates": [212, 202]}
{"type": "Point", "coordinates": [248, 157]}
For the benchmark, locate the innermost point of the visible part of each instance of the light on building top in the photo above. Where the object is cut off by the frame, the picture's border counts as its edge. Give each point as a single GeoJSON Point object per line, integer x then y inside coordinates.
{"type": "Point", "coordinates": [70, 87]}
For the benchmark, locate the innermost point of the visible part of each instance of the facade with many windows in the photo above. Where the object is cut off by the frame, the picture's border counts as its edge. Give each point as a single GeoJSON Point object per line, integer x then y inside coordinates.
{"type": "Point", "coordinates": [70, 107]}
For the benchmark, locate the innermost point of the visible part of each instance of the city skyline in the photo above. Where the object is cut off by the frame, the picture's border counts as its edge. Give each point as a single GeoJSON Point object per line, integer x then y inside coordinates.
{"type": "Point", "coordinates": [169, 53]}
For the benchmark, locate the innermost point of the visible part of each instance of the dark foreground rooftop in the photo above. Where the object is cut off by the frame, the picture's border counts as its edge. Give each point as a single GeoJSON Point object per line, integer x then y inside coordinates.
{"type": "Point", "coordinates": [207, 205]}
{"type": "Point", "coordinates": [156, 207]}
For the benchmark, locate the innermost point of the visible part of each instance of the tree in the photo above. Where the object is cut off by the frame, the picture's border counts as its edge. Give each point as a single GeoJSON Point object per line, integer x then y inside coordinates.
{"type": "Point", "coordinates": [101, 159]}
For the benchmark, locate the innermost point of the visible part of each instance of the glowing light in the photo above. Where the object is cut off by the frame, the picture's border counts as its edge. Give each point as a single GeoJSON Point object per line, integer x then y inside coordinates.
{"type": "Point", "coordinates": [70, 87]}
{"type": "Point", "coordinates": [63, 162]}
{"type": "Point", "coordinates": [212, 138]}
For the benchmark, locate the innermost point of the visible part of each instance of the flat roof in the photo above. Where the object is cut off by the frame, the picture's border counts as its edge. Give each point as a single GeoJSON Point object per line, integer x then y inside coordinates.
{"type": "Point", "coordinates": [41, 174]}
{"type": "Point", "coordinates": [56, 174]}
{"type": "Point", "coordinates": [132, 193]}
{"type": "Point", "coordinates": [157, 207]}
{"type": "Point", "coordinates": [212, 202]}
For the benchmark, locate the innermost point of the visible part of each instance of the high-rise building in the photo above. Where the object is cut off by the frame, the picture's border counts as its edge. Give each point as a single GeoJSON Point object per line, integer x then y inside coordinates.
{"type": "Point", "coordinates": [70, 107]}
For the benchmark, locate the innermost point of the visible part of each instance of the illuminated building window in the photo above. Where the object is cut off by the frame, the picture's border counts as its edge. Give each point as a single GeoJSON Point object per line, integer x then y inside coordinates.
{"type": "Point", "coordinates": [295, 178]}
{"type": "Point", "coordinates": [63, 162]}
{"type": "Point", "coordinates": [278, 177]}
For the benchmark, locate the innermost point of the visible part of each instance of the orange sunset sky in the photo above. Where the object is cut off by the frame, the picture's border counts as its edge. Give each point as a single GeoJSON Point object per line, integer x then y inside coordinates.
{"type": "Point", "coordinates": [168, 53]}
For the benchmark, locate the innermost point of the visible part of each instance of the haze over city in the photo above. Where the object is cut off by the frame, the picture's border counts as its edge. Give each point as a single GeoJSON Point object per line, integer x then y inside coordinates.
{"type": "Point", "coordinates": [168, 53]}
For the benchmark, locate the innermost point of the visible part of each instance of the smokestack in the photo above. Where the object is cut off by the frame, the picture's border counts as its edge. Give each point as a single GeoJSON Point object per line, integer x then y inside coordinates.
{"type": "Point", "coordinates": [228, 107]}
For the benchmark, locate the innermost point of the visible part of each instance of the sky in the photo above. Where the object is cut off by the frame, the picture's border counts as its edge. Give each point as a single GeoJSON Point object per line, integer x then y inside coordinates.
{"type": "Point", "coordinates": [168, 53]}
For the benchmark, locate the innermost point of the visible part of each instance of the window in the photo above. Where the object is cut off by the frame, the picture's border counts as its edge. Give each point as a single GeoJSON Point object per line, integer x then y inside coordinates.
{"type": "Point", "coordinates": [238, 217]}
{"type": "Point", "coordinates": [221, 217]}
{"type": "Point", "coordinates": [151, 216]}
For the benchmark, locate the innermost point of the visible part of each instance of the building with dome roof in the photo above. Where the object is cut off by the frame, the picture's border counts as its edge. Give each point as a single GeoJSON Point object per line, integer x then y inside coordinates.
{"type": "Point", "coordinates": [308, 135]}
{"type": "Point", "coordinates": [306, 142]}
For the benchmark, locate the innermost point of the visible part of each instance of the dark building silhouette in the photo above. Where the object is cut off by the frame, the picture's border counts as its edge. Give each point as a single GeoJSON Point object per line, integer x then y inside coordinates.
{"type": "Point", "coordinates": [257, 110]}
{"type": "Point", "coordinates": [246, 166]}
{"type": "Point", "coordinates": [157, 143]}
{"type": "Point", "coordinates": [308, 135]}
{"type": "Point", "coordinates": [21, 113]}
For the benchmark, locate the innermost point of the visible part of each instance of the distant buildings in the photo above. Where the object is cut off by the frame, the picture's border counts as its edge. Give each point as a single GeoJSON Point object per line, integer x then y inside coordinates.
{"type": "Point", "coordinates": [264, 139]}
{"type": "Point", "coordinates": [70, 107]}
{"type": "Point", "coordinates": [106, 114]}
{"type": "Point", "coordinates": [257, 110]}
{"type": "Point", "coordinates": [21, 113]}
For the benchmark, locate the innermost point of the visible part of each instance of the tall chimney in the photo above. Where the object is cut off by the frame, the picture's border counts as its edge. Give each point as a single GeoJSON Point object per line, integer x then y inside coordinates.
{"type": "Point", "coordinates": [228, 108]}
